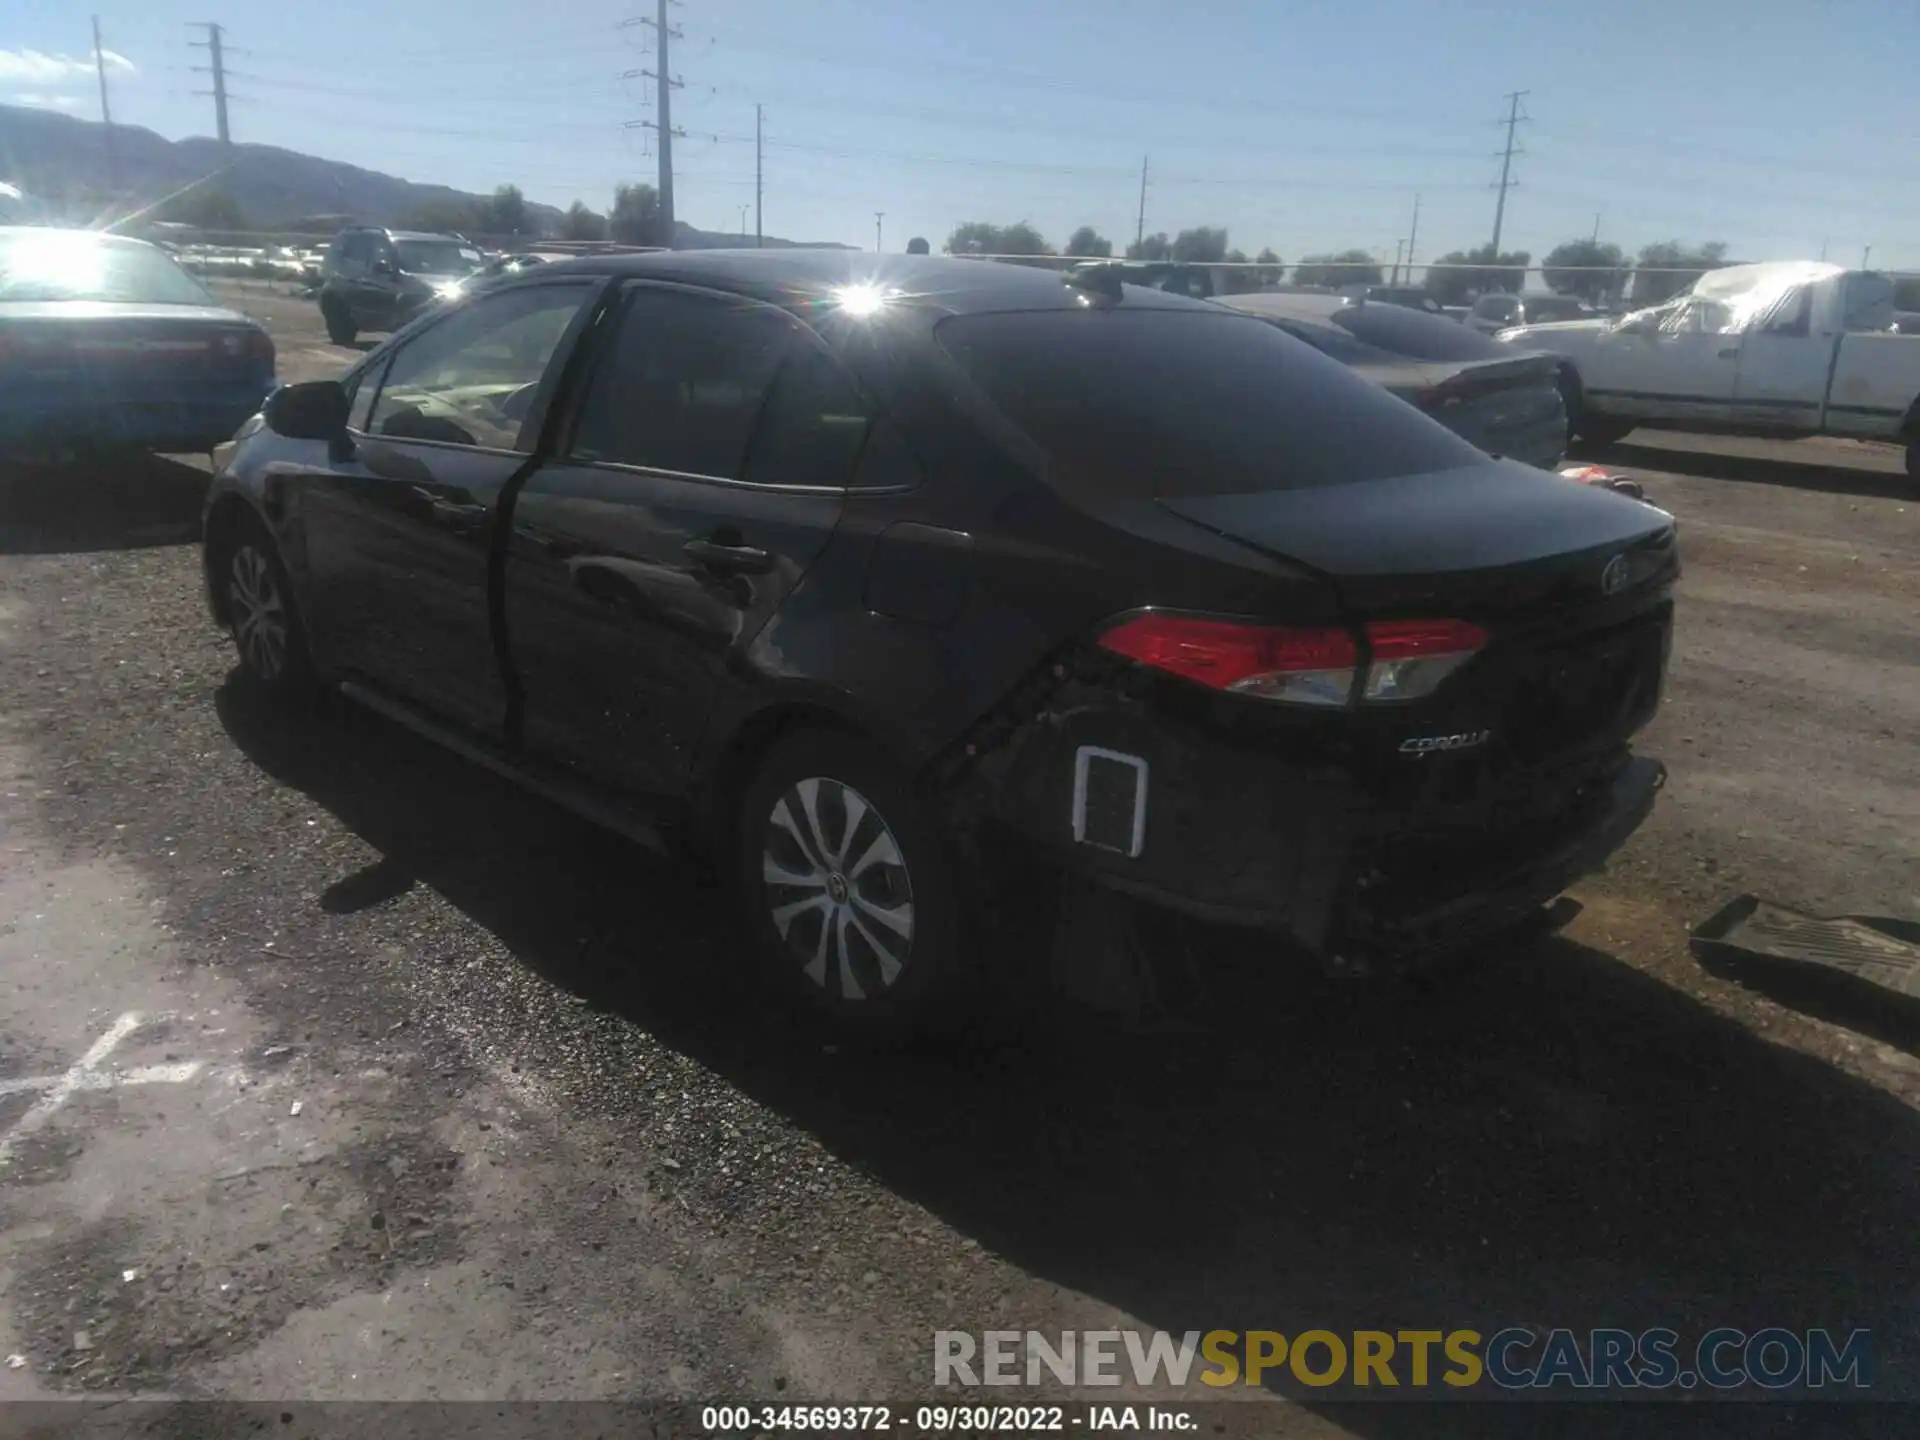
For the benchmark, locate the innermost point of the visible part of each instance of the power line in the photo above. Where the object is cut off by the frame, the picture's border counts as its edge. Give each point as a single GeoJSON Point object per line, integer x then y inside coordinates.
{"type": "Point", "coordinates": [1514, 118]}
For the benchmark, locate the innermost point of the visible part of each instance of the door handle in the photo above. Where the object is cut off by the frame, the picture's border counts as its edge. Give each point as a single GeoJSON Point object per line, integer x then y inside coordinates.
{"type": "Point", "coordinates": [443, 506]}
{"type": "Point", "coordinates": [731, 559]}
{"type": "Point", "coordinates": [1730, 354]}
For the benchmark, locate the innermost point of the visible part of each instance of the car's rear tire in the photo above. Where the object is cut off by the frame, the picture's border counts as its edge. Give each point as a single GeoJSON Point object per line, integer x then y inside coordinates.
{"type": "Point", "coordinates": [262, 616]}
{"type": "Point", "coordinates": [852, 893]}
{"type": "Point", "coordinates": [340, 327]}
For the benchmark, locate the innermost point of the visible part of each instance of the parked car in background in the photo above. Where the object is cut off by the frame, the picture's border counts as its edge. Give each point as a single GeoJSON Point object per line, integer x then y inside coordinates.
{"type": "Point", "coordinates": [1506, 404]}
{"type": "Point", "coordinates": [105, 341]}
{"type": "Point", "coordinates": [375, 279]}
{"type": "Point", "coordinates": [1784, 349]}
{"type": "Point", "coordinates": [1493, 313]}
{"type": "Point", "coordinates": [876, 578]}
{"type": "Point", "coordinates": [1410, 297]}
{"type": "Point", "coordinates": [1906, 322]}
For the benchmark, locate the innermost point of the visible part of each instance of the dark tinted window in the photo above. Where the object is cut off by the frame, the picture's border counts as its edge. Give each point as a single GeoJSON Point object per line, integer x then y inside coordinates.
{"type": "Point", "coordinates": [682, 386]}
{"type": "Point", "coordinates": [1417, 336]}
{"type": "Point", "coordinates": [358, 246]}
{"type": "Point", "coordinates": [1139, 402]}
{"type": "Point", "coordinates": [1556, 307]}
{"type": "Point", "coordinates": [812, 425]}
{"type": "Point", "coordinates": [1337, 343]}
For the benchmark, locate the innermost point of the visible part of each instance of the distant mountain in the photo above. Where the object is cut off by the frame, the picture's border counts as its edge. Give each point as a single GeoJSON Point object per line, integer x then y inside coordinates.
{"type": "Point", "coordinates": [64, 161]}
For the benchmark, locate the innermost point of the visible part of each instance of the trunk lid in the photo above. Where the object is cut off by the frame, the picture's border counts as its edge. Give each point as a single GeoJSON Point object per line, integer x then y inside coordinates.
{"type": "Point", "coordinates": [1486, 543]}
{"type": "Point", "coordinates": [125, 348]}
{"type": "Point", "coordinates": [1572, 585]}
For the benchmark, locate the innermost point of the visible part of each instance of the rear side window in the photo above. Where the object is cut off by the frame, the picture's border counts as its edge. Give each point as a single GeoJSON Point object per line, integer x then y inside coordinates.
{"type": "Point", "coordinates": [1138, 403]}
{"type": "Point", "coordinates": [1419, 337]}
{"type": "Point", "coordinates": [812, 426]}
{"type": "Point", "coordinates": [1552, 309]}
{"type": "Point", "coordinates": [682, 386]}
{"type": "Point", "coordinates": [1337, 343]}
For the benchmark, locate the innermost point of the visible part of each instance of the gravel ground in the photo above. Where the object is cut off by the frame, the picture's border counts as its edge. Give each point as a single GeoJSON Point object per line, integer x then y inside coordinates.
{"type": "Point", "coordinates": [547, 1144]}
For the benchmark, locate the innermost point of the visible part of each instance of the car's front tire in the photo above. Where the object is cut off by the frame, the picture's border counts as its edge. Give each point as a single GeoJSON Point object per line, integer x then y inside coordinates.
{"type": "Point", "coordinates": [852, 893]}
{"type": "Point", "coordinates": [340, 326]}
{"type": "Point", "coordinates": [262, 615]}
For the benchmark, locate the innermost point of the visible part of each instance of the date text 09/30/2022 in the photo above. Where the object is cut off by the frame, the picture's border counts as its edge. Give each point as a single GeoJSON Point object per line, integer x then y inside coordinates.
{"type": "Point", "coordinates": [947, 1419]}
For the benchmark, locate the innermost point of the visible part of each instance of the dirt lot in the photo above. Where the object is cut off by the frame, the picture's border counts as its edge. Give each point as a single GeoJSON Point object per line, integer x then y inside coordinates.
{"type": "Point", "coordinates": [331, 1066]}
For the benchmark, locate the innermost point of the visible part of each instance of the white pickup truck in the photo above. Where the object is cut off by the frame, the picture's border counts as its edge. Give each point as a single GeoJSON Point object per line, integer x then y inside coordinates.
{"type": "Point", "coordinates": [1784, 349]}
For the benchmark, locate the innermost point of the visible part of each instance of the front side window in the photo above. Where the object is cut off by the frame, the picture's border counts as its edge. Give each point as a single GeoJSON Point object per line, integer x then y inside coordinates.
{"type": "Point", "coordinates": [471, 379]}
{"type": "Point", "coordinates": [682, 384]}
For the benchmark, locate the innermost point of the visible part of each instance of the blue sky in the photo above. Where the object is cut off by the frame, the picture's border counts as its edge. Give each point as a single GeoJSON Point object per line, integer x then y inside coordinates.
{"type": "Point", "coordinates": [1773, 126]}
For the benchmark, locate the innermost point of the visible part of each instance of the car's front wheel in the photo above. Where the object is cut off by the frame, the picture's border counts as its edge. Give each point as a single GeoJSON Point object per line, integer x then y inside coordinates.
{"type": "Point", "coordinates": [340, 326]}
{"type": "Point", "coordinates": [261, 613]}
{"type": "Point", "coordinates": [851, 892]}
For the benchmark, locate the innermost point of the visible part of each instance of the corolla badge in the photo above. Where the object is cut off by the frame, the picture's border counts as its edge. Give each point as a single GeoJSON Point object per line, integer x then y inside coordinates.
{"type": "Point", "coordinates": [1420, 745]}
{"type": "Point", "coordinates": [1613, 577]}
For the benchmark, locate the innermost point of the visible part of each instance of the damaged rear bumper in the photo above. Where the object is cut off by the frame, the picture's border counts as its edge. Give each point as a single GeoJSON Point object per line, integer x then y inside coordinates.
{"type": "Point", "coordinates": [1246, 835]}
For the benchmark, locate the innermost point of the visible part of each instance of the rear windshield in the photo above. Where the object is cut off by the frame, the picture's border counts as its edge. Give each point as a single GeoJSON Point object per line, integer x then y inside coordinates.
{"type": "Point", "coordinates": [60, 265]}
{"type": "Point", "coordinates": [1416, 336]}
{"type": "Point", "coordinates": [1140, 403]}
{"type": "Point", "coordinates": [1341, 346]}
{"type": "Point", "coordinates": [1562, 308]}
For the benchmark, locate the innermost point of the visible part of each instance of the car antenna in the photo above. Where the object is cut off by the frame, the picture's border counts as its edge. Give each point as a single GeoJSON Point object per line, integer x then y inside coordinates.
{"type": "Point", "coordinates": [1104, 280]}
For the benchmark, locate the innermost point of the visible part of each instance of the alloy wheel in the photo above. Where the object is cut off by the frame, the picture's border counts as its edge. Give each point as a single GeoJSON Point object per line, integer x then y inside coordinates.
{"type": "Point", "coordinates": [258, 611]}
{"type": "Point", "coordinates": [837, 888]}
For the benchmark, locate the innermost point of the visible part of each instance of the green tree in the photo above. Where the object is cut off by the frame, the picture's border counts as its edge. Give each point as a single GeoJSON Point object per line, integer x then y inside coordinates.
{"type": "Point", "coordinates": [1595, 272]}
{"type": "Point", "coordinates": [1089, 244]}
{"type": "Point", "coordinates": [1906, 293]}
{"type": "Point", "coordinates": [918, 246]}
{"type": "Point", "coordinates": [1669, 267]}
{"type": "Point", "coordinates": [1241, 278]}
{"type": "Point", "coordinates": [504, 213]}
{"type": "Point", "coordinates": [1345, 267]}
{"type": "Point", "coordinates": [1272, 267]}
{"type": "Point", "coordinates": [1151, 247]}
{"type": "Point", "coordinates": [978, 237]}
{"type": "Point", "coordinates": [636, 216]}
{"type": "Point", "coordinates": [1204, 245]}
{"type": "Point", "coordinates": [209, 207]}
{"type": "Point", "coordinates": [1459, 275]}
{"type": "Point", "coordinates": [580, 223]}
{"type": "Point", "coordinates": [443, 217]}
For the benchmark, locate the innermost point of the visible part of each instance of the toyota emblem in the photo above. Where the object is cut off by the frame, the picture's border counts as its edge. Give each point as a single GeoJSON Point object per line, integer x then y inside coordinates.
{"type": "Point", "coordinates": [1614, 576]}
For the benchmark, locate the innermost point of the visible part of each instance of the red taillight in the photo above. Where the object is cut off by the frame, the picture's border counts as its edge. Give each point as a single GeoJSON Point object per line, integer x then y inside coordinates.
{"type": "Point", "coordinates": [259, 345]}
{"type": "Point", "coordinates": [1306, 666]}
{"type": "Point", "coordinates": [1299, 665]}
{"type": "Point", "coordinates": [1411, 657]}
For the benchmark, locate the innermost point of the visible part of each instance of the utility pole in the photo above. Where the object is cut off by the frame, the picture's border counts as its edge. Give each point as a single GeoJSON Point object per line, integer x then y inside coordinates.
{"type": "Point", "coordinates": [665, 85]}
{"type": "Point", "coordinates": [218, 70]}
{"type": "Point", "coordinates": [106, 113]}
{"type": "Point", "coordinates": [878, 216]}
{"type": "Point", "coordinates": [1413, 235]}
{"type": "Point", "coordinates": [759, 192]}
{"type": "Point", "coordinates": [1514, 117]}
{"type": "Point", "coordinates": [1398, 247]}
{"type": "Point", "coordinates": [743, 222]}
{"type": "Point", "coordinates": [1140, 230]}
{"type": "Point", "coordinates": [1596, 230]}
{"type": "Point", "coordinates": [1823, 251]}
{"type": "Point", "coordinates": [1864, 254]}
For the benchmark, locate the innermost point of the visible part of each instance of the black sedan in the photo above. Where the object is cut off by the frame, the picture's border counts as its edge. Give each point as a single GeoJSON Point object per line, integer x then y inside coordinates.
{"type": "Point", "coordinates": [105, 341]}
{"type": "Point", "coordinates": [1507, 402]}
{"type": "Point", "coordinates": [869, 578]}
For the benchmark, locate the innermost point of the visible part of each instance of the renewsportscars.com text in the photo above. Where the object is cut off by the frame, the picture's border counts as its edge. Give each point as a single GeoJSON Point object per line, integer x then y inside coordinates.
{"type": "Point", "coordinates": [1514, 1358]}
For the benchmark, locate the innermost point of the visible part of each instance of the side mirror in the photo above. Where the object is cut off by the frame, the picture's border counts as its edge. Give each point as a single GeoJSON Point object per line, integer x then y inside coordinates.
{"type": "Point", "coordinates": [315, 410]}
{"type": "Point", "coordinates": [381, 265]}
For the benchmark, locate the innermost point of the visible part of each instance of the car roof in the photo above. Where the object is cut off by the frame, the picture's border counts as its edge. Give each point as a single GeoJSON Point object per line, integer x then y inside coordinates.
{"type": "Point", "coordinates": [791, 277]}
